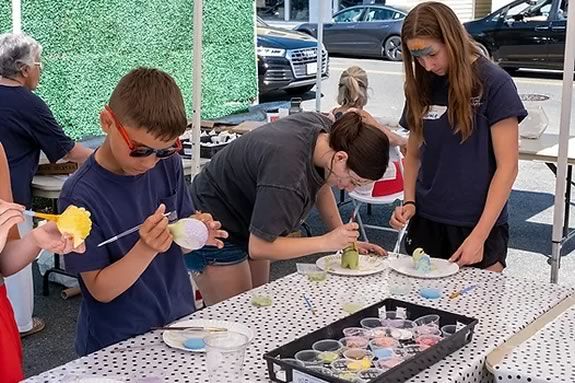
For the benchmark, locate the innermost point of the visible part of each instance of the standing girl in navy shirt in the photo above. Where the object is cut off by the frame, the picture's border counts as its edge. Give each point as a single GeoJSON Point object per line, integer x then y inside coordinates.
{"type": "Point", "coordinates": [462, 154]}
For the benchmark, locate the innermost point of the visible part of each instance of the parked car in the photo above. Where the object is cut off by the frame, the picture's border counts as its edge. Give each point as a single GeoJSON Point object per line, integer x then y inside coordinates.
{"type": "Point", "coordinates": [524, 34]}
{"type": "Point", "coordinates": [287, 60]}
{"type": "Point", "coordinates": [363, 30]}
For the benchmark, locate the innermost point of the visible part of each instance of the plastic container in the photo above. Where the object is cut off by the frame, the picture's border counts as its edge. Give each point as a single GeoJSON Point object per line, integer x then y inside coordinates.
{"type": "Point", "coordinates": [448, 330]}
{"type": "Point", "coordinates": [370, 323]}
{"type": "Point", "coordinates": [426, 330]}
{"type": "Point", "coordinates": [426, 341]}
{"type": "Point", "coordinates": [225, 356]}
{"type": "Point", "coordinates": [356, 331]}
{"type": "Point", "coordinates": [384, 342]}
{"type": "Point", "coordinates": [309, 357]}
{"type": "Point", "coordinates": [356, 354]}
{"type": "Point", "coordinates": [408, 362]}
{"type": "Point", "coordinates": [354, 342]}
{"type": "Point", "coordinates": [327, 345]}
{"type": "Point", "coordinates": [427, 320]}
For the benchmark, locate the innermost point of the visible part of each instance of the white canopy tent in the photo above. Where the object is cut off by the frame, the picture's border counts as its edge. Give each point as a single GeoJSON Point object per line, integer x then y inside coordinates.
{"type": "Point", "coordinates": [567, 94]}
{"type": "Point", "coordinates": [321, 8]}
{"type": "Point", "coordinates": [564, 125]}
{"type": "Point", "coordinates": [197, 96]}
{"type": "Point", "coordinates": [16, 16]}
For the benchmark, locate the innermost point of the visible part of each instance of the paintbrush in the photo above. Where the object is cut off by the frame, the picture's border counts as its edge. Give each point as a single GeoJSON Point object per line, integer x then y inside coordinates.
{"type": "Point", "coordinates": [132, 230]}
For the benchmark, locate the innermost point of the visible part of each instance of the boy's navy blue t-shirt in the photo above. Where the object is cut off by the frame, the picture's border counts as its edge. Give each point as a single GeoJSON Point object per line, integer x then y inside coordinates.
{"type": "Point", "coordinates": [163, 293]}
{"type": "Point", "coordinates": [27, 127]}
{"type": "Point", "coordinates": [454, 177]}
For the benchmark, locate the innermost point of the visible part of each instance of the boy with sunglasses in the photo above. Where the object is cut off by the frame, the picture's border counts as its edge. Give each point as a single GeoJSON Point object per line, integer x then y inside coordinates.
{"type": "Point", "coordinates": [139, 281]}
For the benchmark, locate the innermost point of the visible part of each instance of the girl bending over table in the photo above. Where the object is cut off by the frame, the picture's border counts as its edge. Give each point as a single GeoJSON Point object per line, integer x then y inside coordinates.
{"type": "Point", "coordinates": [262, 186]}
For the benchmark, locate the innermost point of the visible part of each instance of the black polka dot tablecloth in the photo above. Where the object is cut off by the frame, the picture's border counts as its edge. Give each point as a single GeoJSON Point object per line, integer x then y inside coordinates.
{"type": "Point", "coordinates": [547, 356]}
{"type": "Point", "coordinates": [503, 305]}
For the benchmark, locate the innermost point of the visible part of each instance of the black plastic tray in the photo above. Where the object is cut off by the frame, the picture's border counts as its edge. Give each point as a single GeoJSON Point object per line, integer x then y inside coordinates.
{"type": "Point", "coordinates": [205, 151]}
{"type": "Point", "coordinates": [400, 373]}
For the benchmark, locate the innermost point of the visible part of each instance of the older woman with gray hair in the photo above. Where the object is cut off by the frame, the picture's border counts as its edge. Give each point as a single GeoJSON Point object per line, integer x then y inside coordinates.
{"type": "Point", "coordinates": [27, 126]}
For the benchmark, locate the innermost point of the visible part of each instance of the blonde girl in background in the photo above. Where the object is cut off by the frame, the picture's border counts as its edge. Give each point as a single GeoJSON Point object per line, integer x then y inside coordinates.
{"type": "Point", "coordinates": [352, 94]}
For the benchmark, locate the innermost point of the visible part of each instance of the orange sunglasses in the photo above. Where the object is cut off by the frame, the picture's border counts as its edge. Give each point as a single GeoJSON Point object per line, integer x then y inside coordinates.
{"type": "Point", "coordinates": [143, 151]}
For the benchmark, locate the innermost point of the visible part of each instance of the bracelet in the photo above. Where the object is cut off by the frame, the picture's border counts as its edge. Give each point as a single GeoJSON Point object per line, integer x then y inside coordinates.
{"type": "Point", "coordinates": [408, 203]}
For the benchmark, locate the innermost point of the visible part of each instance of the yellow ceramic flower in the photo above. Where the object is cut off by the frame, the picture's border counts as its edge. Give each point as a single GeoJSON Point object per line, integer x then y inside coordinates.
{"type": "Point", "coordinates": [75, 221]}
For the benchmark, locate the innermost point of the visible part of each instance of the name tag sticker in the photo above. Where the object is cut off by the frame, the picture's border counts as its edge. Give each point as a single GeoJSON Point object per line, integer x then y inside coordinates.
{"type": "Point", "coordinates": [435, 112]}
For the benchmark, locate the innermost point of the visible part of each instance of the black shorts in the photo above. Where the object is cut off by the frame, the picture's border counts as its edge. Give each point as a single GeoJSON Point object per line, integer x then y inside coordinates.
{"type": "Point", "coordinates": [441, 240]}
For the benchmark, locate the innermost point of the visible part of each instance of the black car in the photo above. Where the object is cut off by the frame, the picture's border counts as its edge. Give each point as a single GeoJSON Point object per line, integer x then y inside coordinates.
{"type": "Point", "coordinates": [287, 60]}
{"type": "Point", "coordinates": [363, 30]}
{"type": "Point", "coordinates": [524, 34]}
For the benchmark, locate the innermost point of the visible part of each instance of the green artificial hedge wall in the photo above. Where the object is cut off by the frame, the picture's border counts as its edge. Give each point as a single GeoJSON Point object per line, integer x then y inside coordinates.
{"type": "Point", "coordinates": [90, 45]}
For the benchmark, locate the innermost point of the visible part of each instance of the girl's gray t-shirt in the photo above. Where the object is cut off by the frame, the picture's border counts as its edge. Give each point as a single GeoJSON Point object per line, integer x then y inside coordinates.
{"type": "Point", "coordinates": [265, 182]}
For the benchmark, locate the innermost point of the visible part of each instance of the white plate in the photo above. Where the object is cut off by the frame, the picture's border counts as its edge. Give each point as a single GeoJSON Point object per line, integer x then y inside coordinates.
{"type": "Point", "coordinates": [97, 380]}
{"type": "Point", "coordinates": [177, 338]}
{"type": "Point", "coordinates": [440, 268]}
{"type": "Point", "coordinates": [368, 264]}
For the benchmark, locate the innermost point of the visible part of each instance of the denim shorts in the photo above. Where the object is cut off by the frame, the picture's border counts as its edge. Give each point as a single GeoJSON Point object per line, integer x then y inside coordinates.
{"type": "Point", "coordinates": [230, 254]}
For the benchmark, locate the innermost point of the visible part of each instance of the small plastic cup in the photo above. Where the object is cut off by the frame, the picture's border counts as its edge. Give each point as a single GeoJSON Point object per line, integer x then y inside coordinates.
{"type": "Point", "coordinates": [328, 357]}
{"type": "Point", "coordinates": [448, 330]}
{"type": "Point", "coordinates": [403, 323]}
{"type": "Point", "coordinates": [390, 315]}
{"type": "Point", "coordinates": [402, 329]}
{"type": "Point", "coordinates": [309, 357]}
{"type": "Point", "coordinates": [426, 341]}
{"type": "Point", "coordinates": [358, 359]}
{"type": "Point", "coordinates": [428, 320]}
{"type": "Point", "coordinates": [386, 364]}
{"type": "Point", "coordinates": [399, 288]}
{"type": "Point", "coordinates": [261, 297]}
{"type": "Point", "coordinates": [370, 323]}
{"type": "Point", "coordinates": [426, 330]}
{"type": "Point", "coordinates": [380, 331]}
{"type": "Point", "coordinates": [354, 342]}
{"type": "Point", "coordinates": [356, 331]}
{"type": "Point", "coordinates": [327, 345]}
{"type": "Point", "coordinates": [383, 342]}
{"type": "Point", "coordinates": [352, 302]}
{"type": "Point", "coordinates": [382, 352]}
{"type": "Point", "coordinates": [356, 354]}
{"type": "Point", "coordinates": [225, 356]}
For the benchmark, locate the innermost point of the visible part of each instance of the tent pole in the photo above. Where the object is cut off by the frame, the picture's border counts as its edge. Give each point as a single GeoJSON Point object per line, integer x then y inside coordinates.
{"type": "Point", "coordinates": [16, 16]}
{"type": "Point", "coordinates": [561, 180]}
{"type": "Point", "coordinates": [197, 86]}
{"type": "Point", "coordinates": [319, 56]}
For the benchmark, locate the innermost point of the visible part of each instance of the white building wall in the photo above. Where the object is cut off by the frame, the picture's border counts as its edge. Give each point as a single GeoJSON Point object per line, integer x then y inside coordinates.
{"type": "Point", "coordinates": [327, 10]}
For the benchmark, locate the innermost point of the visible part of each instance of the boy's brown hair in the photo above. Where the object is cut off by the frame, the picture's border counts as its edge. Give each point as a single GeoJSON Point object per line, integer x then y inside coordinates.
{"type": "Point", "coordinates": [150, 99]}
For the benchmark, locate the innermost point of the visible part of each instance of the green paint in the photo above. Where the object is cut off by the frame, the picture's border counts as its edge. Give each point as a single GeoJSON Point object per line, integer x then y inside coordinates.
{"type": "Point", "coordinates": [90, 45]}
